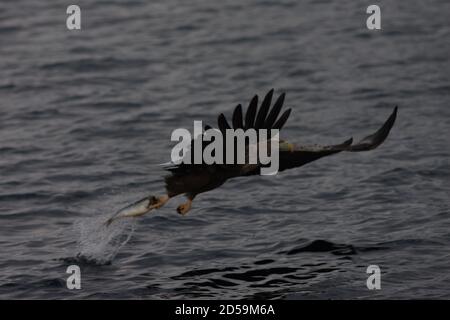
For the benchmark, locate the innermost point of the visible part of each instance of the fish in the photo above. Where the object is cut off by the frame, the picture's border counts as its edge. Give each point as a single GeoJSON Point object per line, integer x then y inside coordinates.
{"type": "Point", "coordinates": [135, 209]}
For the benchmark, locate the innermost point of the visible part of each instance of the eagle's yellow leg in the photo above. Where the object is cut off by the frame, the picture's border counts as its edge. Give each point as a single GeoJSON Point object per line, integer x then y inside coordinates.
{"type": "Point", "coordinates": [185, 207]}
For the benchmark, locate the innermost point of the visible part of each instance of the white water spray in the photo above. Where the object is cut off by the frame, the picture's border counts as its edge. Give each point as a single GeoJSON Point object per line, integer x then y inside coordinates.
{"type": "Point", "coordinates": [99, 243]}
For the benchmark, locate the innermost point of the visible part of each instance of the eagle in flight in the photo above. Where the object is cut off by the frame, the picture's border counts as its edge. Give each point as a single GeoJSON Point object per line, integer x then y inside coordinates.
{"type": "Point", "coordinates": [193, 179]}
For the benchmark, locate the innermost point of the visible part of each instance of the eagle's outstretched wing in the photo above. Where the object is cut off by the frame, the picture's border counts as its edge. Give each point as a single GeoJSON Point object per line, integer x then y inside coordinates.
{"type": "Point", "coordinates": [305, 154]}
{"type": "Point", "coordinates": [264, 118]}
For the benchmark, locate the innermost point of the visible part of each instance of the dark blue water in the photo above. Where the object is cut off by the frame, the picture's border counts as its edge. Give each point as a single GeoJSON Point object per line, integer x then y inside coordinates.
{"type": "Point", "coordinates": [86, 116]}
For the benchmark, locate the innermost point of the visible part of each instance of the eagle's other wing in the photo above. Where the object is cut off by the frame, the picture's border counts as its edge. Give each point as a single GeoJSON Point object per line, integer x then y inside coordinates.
{"type": "Point", "coordinates": [305, 154]}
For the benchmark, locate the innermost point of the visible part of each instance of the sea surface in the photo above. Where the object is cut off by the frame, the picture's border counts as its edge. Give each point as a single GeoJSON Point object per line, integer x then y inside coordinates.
{"type": "Point", "coordinates": [86, 117]}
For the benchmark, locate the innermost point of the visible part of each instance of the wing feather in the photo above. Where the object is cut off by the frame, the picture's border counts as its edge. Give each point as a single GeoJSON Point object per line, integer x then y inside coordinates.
{"type": "Point", "coordinates": [223, 123]}
{"type": "Point", "coordinates": [263, 110]}
{"type": "Point", "coordinates": [273, 114]}
{"type": "Point", "coordinates": [237, 117]}
{"type": "Point", "coordinates": [251, 113]}
{"type": "Point", "coordinates": [282, 120]}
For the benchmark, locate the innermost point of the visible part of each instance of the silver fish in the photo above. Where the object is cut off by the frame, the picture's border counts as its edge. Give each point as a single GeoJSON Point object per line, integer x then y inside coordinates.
{"type": "Point", "coordinates": [135, 209]}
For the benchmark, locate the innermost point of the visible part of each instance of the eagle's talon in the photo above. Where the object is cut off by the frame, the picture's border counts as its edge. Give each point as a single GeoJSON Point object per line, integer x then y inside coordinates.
{"type": "Point", "coordinates": [184, 208]}
{"type": "Point", "coordinates": [158, 202]}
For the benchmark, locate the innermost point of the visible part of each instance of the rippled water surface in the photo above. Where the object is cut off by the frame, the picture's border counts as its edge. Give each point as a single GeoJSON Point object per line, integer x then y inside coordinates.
{"type": "Point", "coordinates": [86, 116]}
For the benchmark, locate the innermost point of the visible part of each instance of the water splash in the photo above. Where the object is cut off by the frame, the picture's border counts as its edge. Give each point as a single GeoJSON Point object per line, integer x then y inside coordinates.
{"type": "Point", "coordinates": [98, 243]}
